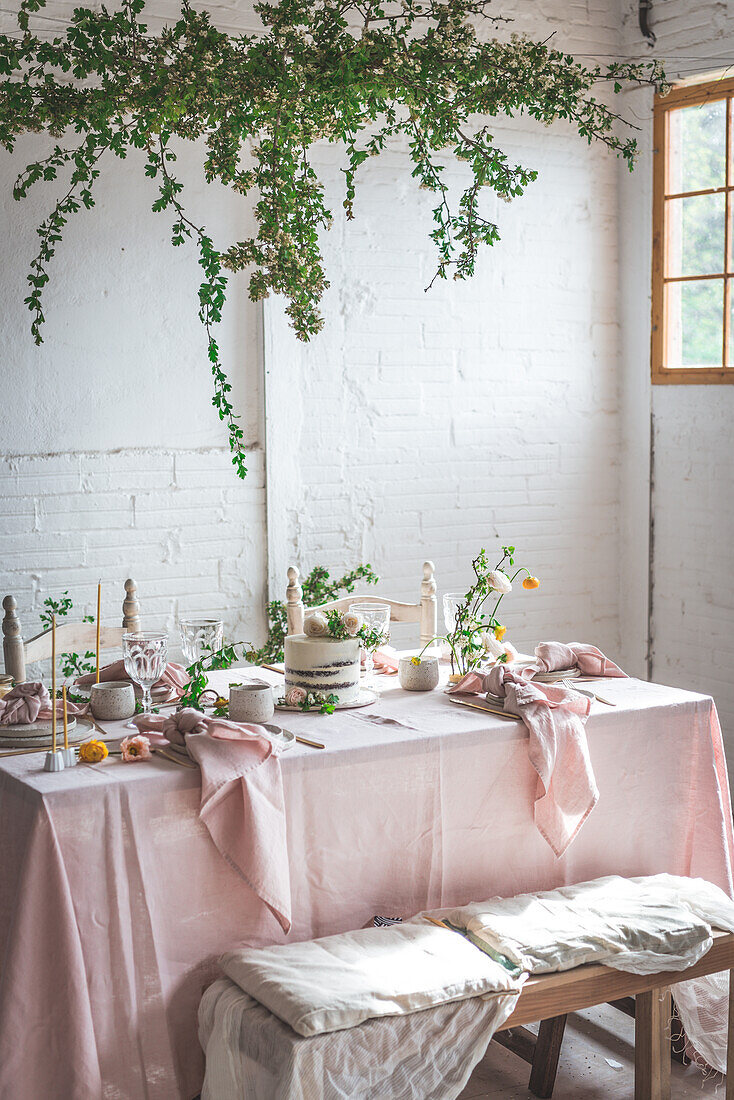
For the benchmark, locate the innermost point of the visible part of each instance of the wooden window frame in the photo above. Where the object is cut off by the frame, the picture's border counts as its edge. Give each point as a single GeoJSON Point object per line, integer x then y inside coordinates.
{"type": "Point", "coordinates": [688, 95]}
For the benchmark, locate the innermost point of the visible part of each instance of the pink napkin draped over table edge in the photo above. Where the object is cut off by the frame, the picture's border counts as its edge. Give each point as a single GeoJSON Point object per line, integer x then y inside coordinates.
{"type": "Point", "coordinates": [30, 702]}
{"type": "Point", "coordinates": [242, 800]}
{"type": "Point", "coordinates": [174, 678]}
{"type": "Point", "coordinates": [555, 717]}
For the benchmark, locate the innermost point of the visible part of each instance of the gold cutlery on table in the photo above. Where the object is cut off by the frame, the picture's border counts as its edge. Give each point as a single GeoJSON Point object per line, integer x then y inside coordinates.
{"type": "Point", "coordinates": [305, 741]}
{"type": "Point", "coordinates": [485, 709]}
{"type": "Point", "coordinates": [174, 757]}
{"type": "Point", "coordinates": [571, 685]}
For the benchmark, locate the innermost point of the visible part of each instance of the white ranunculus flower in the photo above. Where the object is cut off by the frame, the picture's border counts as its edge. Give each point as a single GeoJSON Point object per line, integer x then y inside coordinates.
{"type": "Point", "coordinates": [315, 625]}
{"type": "Point", "coordinates": [352, 621]}
{"type": "Point", "coordinates": [499, 581]}
{"type": "Point", "coordinates": [491, 645]}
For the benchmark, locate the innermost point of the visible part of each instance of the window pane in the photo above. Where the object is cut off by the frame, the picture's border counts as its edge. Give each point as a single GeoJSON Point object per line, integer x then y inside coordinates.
{"type": "Point", "coordinates": [695, 235]}
{"type": "Point", "coordinates": [695, 323]}
{"type": "Point", "coordinates": [697, 157]}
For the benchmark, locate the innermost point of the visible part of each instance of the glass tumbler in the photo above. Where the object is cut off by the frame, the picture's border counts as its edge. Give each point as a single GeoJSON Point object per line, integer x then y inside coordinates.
{"type": "Point", "coordinates": [200, 636]}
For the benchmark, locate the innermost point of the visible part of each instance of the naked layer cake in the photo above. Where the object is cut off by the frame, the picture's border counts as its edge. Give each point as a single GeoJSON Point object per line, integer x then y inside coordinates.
{"type": "Point", "coordinates": [329, 665]}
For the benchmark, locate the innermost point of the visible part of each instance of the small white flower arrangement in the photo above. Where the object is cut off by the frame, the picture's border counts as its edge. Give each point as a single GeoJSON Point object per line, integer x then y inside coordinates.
{"type": "Point", "coordinates": [340, 625]}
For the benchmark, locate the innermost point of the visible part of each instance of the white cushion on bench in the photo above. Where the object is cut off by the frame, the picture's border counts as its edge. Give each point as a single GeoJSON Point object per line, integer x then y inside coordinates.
{"type": "Point", "coordinates": [339, 981]}
{"type": "Point", "coordinates": [641, 925]}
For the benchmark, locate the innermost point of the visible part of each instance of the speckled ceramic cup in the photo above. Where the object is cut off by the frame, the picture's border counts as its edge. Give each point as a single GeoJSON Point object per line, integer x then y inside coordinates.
{"type": "Point", "coordinates": [112, 701]}
{"type": "Point", "coordinates": [251, 703]}
{"type": "Point", "coordinates": [422, 677]}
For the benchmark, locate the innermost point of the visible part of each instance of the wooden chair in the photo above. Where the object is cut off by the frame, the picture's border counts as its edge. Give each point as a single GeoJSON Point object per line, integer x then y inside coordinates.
{"type": "Point", "coordinates": [69, 636]}
{"type": "Point", "coordinates": [423, 612]}
{"type": "Point", "coordinates": [550, 997]}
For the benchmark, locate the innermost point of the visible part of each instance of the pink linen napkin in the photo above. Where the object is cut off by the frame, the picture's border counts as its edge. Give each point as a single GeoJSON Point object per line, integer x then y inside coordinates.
{"type": "Point", "coordinates": [590, 661]}
{"type": "Point", "coordinates": [174, 678]}
{"type": "Point", "coordinates": [23, 704]}
{"type": "Point", "coordinates": [242, 801]}
{"type": "Point", "coordinates": [29, 702]}
{"type": "Point", "coordinates": [385, 661]}
{"type": "Point", "coordinates": [558, 750]}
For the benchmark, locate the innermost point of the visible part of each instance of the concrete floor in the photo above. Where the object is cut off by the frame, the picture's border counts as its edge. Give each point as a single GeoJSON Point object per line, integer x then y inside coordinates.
{"type": "Point", "coordinates": [593, 1039]}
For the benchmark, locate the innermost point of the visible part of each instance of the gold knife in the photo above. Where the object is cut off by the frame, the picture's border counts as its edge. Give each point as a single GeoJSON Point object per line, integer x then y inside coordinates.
{"type": "Point", "coordinates": [486, 710]}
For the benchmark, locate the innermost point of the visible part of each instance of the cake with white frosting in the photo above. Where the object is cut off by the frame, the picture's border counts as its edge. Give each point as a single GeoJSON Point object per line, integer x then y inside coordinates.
{"type": "Point", "coordinates": [323, 664]}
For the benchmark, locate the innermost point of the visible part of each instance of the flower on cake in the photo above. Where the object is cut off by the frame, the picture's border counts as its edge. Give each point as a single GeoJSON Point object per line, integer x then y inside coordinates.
{"type": "Point", "coordinates": [315, 625]}
{"type": "Point", "coordinates": [499, 581]}
{"type": "Point", "coordinates": [295, 696]}
{"type": "Point", "coordinates": [135, 748]}
{"type": "Point", "coordinates": [353, 622]}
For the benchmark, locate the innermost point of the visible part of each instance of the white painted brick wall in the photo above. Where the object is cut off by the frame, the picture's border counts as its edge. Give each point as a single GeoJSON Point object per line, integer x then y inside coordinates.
{"type": "Point", "coordinates": [430, 425]}
{"type": "Point", "coordinates": [693, 495]}
{"type": "Point", "coordinates": [176, 521]}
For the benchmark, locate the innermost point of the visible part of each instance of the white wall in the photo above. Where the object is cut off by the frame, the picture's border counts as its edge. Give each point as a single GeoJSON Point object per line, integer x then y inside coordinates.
{"type": "Point", "coordinates": [114, 462]}
{"type": "Point", "coordinates": [692, 622]}
{"type": "Point", "coordinates": [426, 424]}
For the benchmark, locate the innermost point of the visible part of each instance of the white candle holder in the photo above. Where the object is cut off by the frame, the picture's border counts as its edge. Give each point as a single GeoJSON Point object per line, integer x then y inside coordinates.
{"type": "Point", "coordinates": [54, 762]}
{"type": "Point", "coordinates": [69, 757]}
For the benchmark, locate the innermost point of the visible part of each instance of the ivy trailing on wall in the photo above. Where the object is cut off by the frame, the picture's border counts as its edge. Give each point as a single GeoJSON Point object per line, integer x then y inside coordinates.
{"type": "Point", "coordinates": [357, 72]}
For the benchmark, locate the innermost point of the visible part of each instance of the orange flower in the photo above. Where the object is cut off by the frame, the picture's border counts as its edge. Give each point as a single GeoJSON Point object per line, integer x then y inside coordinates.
{"type": "Point", "coordinates": [499, 632]}
{"type": "Point", "coordinates": [531, 582]}
{"type": "Point", "coordinates": [93, 752]}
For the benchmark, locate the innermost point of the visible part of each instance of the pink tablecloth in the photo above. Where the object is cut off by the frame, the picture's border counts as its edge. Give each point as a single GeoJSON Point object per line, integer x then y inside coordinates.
{"type": "Point", "coordinates": [114, 902]}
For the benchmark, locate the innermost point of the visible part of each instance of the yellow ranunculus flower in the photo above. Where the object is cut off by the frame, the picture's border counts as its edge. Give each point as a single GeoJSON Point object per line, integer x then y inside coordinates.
{"type": "Point", "coordinates": [531, 582]}
{"type": "Point", "coordinates": [415, 660]}
{"type": "Point", "coordinates": [499, 632]}
{"type": "Point", "coordinates": [93, 752]}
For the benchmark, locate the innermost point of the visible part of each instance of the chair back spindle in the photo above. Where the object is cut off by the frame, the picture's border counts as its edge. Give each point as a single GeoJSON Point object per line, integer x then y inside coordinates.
{"type": "Point", "coordinates": [69, 636]}
{"type": "Point", "coordinates": [13, 651]}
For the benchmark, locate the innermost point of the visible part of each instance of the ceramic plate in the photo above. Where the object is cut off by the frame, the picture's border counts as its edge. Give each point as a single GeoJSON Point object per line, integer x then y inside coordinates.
{"type": "Point", "coordinates": [366, 697]}
{"type": "Point", "coordinates": [43, 741]}
{"type": "Point", "coordinates": [38, 730]}
{"type": "Point", "coordinates": [552, 677]}
{"type": "Point", "coordinates": [281, 738]}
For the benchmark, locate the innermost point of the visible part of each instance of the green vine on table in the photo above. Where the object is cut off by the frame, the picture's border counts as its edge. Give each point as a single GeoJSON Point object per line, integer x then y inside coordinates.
{"type": "Point", "coordinates": [220, 658]}
{"type": "Point", "coordinates": [356, 72]}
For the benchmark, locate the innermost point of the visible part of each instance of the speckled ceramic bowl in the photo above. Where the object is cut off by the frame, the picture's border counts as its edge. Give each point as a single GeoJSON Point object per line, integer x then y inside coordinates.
{"type": "Point", "coordinates": [422, 677]}
{"type": "Point", "coordinates": [251, 703]}
{"type": "Point", "coordinates": [112, 701]}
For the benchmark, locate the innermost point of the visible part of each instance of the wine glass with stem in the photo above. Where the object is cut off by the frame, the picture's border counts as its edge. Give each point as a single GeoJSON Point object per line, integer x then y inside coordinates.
{"type": "Point", "coordinates": [144, 654]}
{"type": "Point", "coordinates": [376, 616]}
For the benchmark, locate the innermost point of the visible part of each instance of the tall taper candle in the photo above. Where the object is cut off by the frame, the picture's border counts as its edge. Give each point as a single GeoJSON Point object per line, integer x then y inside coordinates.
{"type": "Point", "coordinates": [53, 683]}
{"type": "Point", "coordinates": [66, 719]}
{"type": "Point", "coordinates": [99, 619]}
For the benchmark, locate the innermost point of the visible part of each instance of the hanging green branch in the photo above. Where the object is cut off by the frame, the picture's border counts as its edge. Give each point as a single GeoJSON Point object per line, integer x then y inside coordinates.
{"type": "Point", "coordinates": [357, 72]}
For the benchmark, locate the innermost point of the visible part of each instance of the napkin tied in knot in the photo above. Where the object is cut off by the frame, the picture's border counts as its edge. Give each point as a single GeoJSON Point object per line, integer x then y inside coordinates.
{"type": "Point", "coordinates": [23, 704]}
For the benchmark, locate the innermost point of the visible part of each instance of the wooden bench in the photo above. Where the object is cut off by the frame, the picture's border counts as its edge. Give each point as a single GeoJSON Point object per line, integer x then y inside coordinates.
{"type": "Point", "coordinates": [550, 997]}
